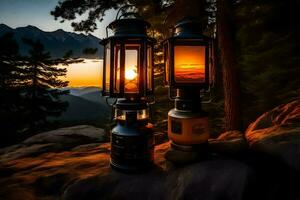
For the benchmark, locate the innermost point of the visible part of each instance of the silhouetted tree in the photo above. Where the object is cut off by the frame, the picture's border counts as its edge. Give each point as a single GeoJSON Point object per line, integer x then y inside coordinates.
{"type": "Point", "coordinates": [42, 93]}
{"type": "Point", "coordinates": [89, 51]}
{"type": "Point", "coordinates": [11, 106]}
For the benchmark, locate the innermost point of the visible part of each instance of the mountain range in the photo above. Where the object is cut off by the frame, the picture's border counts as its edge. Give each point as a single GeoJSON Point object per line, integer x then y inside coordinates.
{"type": "Point", "coordinates": [57, 42]}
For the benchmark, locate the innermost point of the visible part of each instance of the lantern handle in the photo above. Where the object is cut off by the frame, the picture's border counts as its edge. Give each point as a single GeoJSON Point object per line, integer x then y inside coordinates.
{"type": "Point", "coordinates": [171, 98]}
{"type": "Point", "coordinates": [110, 104]}
{"type": "Point", "coordinates": [151, 99]}
{"type": "Point", "coordinates": [210, 99]}
{"type": "Point", "coordinates": [112, 107]}
{"type": "Point", "coordinates": [170, 27]}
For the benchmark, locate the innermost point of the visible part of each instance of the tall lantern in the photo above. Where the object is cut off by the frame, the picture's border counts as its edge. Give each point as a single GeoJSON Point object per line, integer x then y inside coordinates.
{"type": "Point", "coordinates": [128, 77]}
{"type": "Point", "coordinates": [187, 56]}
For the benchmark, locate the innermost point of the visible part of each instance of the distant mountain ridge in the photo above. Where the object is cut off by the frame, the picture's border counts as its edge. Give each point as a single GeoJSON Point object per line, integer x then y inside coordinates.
{"type": "Point", "coordinates": [56, 42]}
{"type": "Point", "coordinates": [86, 105]}
{"type": "Point", "coordinates": [79, 91]}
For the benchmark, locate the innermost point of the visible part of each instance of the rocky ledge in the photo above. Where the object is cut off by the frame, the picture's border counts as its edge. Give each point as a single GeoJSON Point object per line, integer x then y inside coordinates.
{"type": "Point", "coordinates": [73, 163]}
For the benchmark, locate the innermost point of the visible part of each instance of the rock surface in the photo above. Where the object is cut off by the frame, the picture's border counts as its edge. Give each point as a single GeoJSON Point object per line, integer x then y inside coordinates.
{"type": "Point", "coordinates": [47, 166]}
{"type": "Point", "coordinates": [54, 141]}
{"type": "Point", "coordinates": [277, 133]}
{"type": "Point", "coordinates": [73, 163]}
{"type": "Point", "coordinates": [230, 143]}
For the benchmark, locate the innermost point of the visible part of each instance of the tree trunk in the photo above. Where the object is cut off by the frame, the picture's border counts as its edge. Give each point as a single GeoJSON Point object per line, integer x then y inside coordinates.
{"type": "Point", "coordinates": [231, 83]}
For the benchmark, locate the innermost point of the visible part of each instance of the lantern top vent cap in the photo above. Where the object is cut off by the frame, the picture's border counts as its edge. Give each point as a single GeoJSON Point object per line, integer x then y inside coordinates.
{"type": "Point", "coordinates": [130, 26]}
{"type": "Point", "coordinates": [188, 27]}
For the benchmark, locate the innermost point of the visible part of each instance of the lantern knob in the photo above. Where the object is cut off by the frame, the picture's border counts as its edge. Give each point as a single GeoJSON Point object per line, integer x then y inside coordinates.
{"type": "Point", "coordinates": [188, 28]}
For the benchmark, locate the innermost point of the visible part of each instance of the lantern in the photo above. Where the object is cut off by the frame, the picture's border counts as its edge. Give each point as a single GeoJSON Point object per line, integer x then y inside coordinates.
{"type": "Point", "coordinates": [188, 56]}
{"type": "Point", "coordinates": [128, 60]}
{"type": "Point", "coordinates": [128, 77]}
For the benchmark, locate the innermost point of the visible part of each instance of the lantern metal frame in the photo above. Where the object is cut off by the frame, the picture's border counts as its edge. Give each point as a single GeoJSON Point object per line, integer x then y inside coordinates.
{"type": "Point", "coordinates": [187, 122]}
{"type": "Point", "coordinates": [122, 37]}
{"type": "Point", "coordinates": [185, 35]}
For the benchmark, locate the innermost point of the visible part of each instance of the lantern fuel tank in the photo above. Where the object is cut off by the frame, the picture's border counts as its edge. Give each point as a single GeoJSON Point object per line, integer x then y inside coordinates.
{"type": "Point", "coordinates": [132, 142]}
{"type": "Point", "coordinates": [188, 128]}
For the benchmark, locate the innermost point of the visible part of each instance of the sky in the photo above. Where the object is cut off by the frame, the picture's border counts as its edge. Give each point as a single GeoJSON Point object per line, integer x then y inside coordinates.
{"type": "Point", "coordinates": [84, 74]}
{"type": "Point", "coordinates": [20, 13]}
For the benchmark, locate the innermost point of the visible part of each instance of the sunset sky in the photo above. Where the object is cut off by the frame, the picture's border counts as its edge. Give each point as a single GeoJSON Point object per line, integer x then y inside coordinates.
{"type": "Point", "coordinates": [20, 13]}
{"type": "Point", "coordinates": [85, 74]}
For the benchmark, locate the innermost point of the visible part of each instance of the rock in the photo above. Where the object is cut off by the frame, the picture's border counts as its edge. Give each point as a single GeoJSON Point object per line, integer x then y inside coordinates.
{"type": "Point", "coordinates": [277, 133]}
{"type": "Point", "coordinates": [160, 137]}
{"type": "Point", "coordinates": [182, 157]}
{"type": "Point", "coordinates": [34, 170]}
{"type": "Point", "coordinates": [230, 143]}
{"type": "Point", "coordinates": [186, 155]}
{"type": "Point", "coordinates": [29, 151]}
{"type": "Point", "coordinates": [47, 175]}
{"type": "Point", "coordinates": [213, 179]}
{"type": "Point", "coordinates": [69, 136]}
{"type": "Point", "coordinates": [54, 141]}
{"type": "Point", "coordinates": [38, 170]}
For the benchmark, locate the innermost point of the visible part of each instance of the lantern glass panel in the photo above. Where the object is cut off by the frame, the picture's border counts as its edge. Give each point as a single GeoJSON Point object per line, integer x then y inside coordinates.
{"type": "Point", "coordinates": [107, 67]}
{"type": "Point", "coordinates": [120, 114]}
{"type": "Point", "coordinates": [189, 64]}
{"type": "Point", "coordinates": [166, 61]}
{"type": "Point", "coordinates": [142, 114]}
{"type": "Point", "coordinates": [117, 68]}
{"type": "Point", "coordinates": [149, 68]}
{"type": "Point", "coordinates": [131, 68]}
{"type": "Point", "coordinates": [211, 65]}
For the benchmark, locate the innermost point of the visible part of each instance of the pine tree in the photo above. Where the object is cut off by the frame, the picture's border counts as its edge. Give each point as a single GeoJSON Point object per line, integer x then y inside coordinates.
{"type": "Point", "coordinates": [42, 87]}
{"type": "Point", "coordinates": [10, 87]}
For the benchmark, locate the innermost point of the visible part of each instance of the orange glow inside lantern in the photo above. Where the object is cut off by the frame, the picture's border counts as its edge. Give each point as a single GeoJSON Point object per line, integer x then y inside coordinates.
{"type": "Point", "coordinates": [131, 73]}
{"type": "Point", "coordinates": [131, 69]}
{"type": "Point", "coordinates": [189, 64]}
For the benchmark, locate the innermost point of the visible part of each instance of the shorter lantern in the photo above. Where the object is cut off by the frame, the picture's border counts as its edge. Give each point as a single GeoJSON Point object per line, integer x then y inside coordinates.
{"type": "Point", "coordinates": [187, 56]}
{"type": "Point", "coordinates": [128, 76]}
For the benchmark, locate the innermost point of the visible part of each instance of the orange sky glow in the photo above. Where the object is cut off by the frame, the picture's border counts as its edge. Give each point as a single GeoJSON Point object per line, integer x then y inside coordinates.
{"type": "Point", "coordinates": [85, 74]}
{"type": "Point", "coordinates": [189, 64]}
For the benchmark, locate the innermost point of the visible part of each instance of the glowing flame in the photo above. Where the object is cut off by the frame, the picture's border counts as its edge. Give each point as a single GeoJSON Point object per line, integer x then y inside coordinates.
{"type": "Point", "coordinates": [130, 74]}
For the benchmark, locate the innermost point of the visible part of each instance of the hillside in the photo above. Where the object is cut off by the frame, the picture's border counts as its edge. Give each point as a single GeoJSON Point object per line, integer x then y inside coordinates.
{"type": "Point", "coordinates": [81, 110]}
{"type": "Point", "coordinates": [79, 91]}
{"type": "Point", "coordinates": [57, 42]}
{"type": "Point", "coordinates": [94, 96]}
